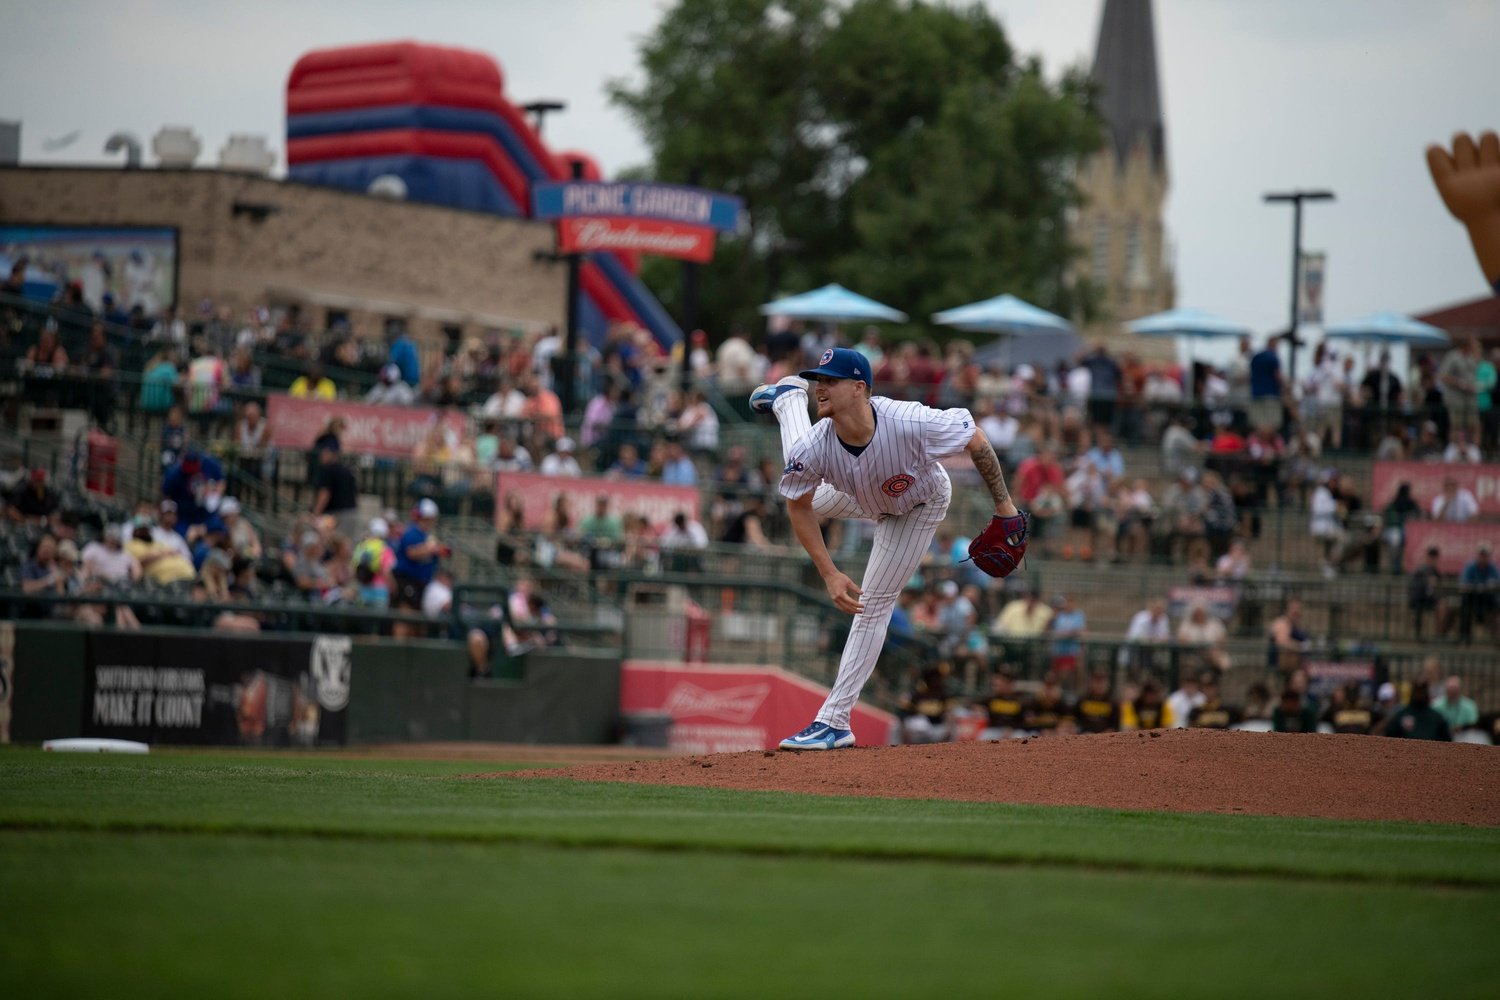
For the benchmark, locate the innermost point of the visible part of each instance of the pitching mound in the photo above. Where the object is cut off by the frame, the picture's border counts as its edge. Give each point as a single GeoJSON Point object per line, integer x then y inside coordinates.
{"type": "Point", "coordinates": [1180, 770]}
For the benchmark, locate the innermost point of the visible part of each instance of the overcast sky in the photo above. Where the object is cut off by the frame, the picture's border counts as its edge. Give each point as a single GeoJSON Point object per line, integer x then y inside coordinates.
{"type": "Point", "coordinates": [1260, 95]}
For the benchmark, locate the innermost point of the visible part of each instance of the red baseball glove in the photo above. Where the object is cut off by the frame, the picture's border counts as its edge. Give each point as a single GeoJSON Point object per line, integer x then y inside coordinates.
{"type": "Point", "coordinates": [1000, 547]}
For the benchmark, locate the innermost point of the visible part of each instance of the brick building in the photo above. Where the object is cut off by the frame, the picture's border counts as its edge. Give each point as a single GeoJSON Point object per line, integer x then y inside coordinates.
{"type": "Point", "coordinates": [245, 241]}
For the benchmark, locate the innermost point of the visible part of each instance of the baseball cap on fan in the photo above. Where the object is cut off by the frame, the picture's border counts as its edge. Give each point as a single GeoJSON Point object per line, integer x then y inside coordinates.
{"type": "Point", "coordinates": [427, 508]}
{"type": "Point", "coordinates": [840, 362]}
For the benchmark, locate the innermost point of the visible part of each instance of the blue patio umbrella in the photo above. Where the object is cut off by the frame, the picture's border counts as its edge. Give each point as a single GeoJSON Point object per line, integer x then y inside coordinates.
{"type": "Point", "coordinates": [1199, 324]}
{"type": "Point", "coordinates": [833, 304]}
{"type": "Point", "coordinates": [1388, 328]}
{"type": "Point", "coordinates": [1001, 314]}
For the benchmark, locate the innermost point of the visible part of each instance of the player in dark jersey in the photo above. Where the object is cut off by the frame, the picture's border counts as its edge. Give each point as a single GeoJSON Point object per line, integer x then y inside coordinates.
{"type": "Point", "coordinates": [1096, 711]}
{"type": "Point", "coordinates": [1005, 707]}
{"type": "Point", "coordinates": [1213, 713]}
{"type": "Point", "coordinates": [1147, 710]}
{"type": "Point", "coordinates": [1049, 711]}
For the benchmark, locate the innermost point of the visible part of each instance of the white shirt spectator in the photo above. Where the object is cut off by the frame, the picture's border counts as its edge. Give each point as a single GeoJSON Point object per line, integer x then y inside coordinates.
{"type": "Point", "coordinates": [437, 599]}
{"type": "Point", "coordinates": [560, 463]}
{"type": "Point", "coordinates": [111, 565]}
{"type": "Point", "coordinates": [1464, 507]}
{"type": "Point", "coordinates": [1080, 384]}
{"type": "Point", "coordinates": [504, 404]}
{"type": "Point", "coordinates": [1325, 514]}
{"type": "Point", "coordinates": [1001, 429]}
{"type": "Point", "coordinates": [690, 536]}
{"type": "Point", "coordinates": [1466, 453]}
{"type": "Point", "coordinates": [1145, 628]}
{"type": "Point", "coordinates": [1210, 633]}
{"type": "Point", "coordinates": [396, 393]}
{"type": "Point", "coordinates": [1182, 704]}
{"type": "Point", "coordinates": [701, 425]}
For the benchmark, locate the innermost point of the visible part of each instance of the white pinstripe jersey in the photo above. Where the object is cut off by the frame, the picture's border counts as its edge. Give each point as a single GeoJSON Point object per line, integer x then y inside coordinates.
{"type": "Point", "coordinates": [897, 470]}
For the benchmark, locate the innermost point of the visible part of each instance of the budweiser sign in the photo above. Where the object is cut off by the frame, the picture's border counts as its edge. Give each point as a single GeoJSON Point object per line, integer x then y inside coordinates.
{"type": "Point", "coordinates": [736, 704]}
{"type": "Point", "coordinates": [665, 239]}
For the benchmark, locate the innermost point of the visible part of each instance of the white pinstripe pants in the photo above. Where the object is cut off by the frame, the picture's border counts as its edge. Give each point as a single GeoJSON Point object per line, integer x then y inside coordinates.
{"type": "Point", "coordinates": [896, 553]}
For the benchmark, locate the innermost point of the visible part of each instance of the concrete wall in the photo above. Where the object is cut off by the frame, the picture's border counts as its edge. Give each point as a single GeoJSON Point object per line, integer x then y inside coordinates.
{"type": "Point", "coordinates": [320, 248]}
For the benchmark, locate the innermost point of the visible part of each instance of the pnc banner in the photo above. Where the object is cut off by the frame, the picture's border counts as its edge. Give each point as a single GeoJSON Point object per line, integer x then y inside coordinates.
{"type": "Point", "coordinates": [1426, 480]}
{"type": "Point", "coordinates": [664, 239]}
{"type": "Point", "coordinates": [382, 431]}
{"type": "Point", "coordinates": [725, 709]}
{"type": "Point", "coordinates": [653, 501]}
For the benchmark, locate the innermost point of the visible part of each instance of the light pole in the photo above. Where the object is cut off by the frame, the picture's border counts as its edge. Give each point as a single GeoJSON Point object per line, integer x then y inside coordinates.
{"type": "Point", "coordinates": [1296, 198]}
{"type": "Point", "coordinates": [541, 109]}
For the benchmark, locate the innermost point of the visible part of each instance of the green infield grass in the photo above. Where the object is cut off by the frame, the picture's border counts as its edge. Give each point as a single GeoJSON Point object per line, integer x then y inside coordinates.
{"type": "Point", "coordinates": [304, 875]}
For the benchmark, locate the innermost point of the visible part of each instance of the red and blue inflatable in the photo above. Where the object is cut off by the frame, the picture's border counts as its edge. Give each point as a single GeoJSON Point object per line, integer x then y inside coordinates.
{"type": "Point", "coordinates": [438, 118]}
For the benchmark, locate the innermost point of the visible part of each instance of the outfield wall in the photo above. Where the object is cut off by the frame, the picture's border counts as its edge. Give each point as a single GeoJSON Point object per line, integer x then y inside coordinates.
{"type": "Point", "coordinates": [189, 687]}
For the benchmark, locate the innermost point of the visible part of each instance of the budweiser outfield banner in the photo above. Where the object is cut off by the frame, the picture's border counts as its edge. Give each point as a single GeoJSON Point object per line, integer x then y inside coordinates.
{"type": "Point", "coordinates": [383, 431]}
{"type": "Point", "coordinates": [667, 220]}
{"type": "Point", "coordinates": [1426, 480]}
{"type": "Point", "coordinates": [653, 501]}
{"type": "Point", "coordinates": [203, 691]}
{"type": "Point", "coordinates": [722, 709]}
{"type": "Point", "coordinates": [1456, 543]}
{"type": "Point", "coordinates": [664, 239]}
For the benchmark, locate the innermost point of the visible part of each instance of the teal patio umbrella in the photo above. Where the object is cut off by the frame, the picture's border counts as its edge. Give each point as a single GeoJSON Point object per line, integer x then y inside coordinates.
{"type": "Point", "coordinates": [1388, 328]}
{"type": "Point", "coordinates": [1002, 314]}
{"type": "Point", "coordinates": [833, 304]}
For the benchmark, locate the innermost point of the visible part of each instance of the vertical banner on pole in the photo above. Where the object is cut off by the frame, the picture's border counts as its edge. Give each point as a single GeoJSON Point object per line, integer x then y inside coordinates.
{"type": "Point", "coordinates": [1310, 290]}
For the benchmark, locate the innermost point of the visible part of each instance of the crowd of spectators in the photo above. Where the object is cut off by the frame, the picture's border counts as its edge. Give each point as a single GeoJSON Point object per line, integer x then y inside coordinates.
{"type": "Point", "coordinates": [932, 708]}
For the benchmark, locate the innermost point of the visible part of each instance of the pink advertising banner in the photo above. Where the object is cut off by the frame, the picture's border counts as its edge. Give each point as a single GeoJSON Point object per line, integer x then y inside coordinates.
{"type": "Point", "coordinates": [1456, 543]}
{"type": "Point", "coordinates": [724, 709]}
{"type": "Point", "coordinates": [1426, 480]}
{"type": "Point", "coordinates": [656, 502]}
{"type": "Point", "coordinates": [383, 431]}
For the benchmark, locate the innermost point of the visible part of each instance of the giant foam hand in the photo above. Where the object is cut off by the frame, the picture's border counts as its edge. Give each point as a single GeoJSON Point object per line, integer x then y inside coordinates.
{"type": "Point", "coordinates": [1469, 181]}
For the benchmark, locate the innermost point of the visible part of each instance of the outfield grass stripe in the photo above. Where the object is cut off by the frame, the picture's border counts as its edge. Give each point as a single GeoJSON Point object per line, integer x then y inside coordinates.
{"type": "Point", "coordinates": [672, 845]}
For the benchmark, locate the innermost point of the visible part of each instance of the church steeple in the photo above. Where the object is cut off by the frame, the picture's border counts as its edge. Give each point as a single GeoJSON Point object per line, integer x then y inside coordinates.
{"type": "Point", "coordinates": [1125, 71]}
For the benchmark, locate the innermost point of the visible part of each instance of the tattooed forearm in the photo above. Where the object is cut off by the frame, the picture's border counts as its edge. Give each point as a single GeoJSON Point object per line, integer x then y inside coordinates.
{"type": "Point", "coordinates": [989, 470]}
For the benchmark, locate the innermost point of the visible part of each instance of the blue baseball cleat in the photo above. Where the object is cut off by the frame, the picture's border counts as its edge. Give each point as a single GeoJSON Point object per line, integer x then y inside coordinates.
{"type": "Point", "coordinates": [819, 736]}
{"type": "Point", "coordinates": [764, 396]}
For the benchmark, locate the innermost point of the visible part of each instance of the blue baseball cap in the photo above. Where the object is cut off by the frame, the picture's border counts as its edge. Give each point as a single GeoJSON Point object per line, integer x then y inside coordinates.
{"type": "Point", "coordinates": [840, 362]}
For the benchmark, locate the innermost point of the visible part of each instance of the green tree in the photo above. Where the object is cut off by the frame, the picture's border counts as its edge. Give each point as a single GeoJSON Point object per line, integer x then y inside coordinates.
{"type": "Point", "coordinates": [895, 146]}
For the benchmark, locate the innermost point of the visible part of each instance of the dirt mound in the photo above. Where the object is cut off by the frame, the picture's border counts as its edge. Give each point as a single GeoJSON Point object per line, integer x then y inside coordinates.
{"type": "Point", "coordinates": [1181, 770]}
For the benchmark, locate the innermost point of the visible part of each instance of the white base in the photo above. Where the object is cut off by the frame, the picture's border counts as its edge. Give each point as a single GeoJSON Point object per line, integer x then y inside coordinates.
{"type": "Point", "coordinates": [91, 745]}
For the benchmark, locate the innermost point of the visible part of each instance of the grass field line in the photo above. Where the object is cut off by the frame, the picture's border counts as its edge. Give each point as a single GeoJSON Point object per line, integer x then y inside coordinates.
{"type": "Point", "coordinates": [680, 845]}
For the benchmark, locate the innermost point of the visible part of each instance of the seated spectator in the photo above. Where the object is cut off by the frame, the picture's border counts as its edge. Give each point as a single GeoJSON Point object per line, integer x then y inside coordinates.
{"type": "Point", "coordinates": [1258, 703]}
{"type": "Point", "coordinates": [1050, 711]}
{"type": "Point", "coordinates": [1454, 504]}
{"type": "Point", "coordinates": [196, 485]}
{"type": "Point", "coordinates": [1417, 720]}
{"type": "Point", "coordinates": [683, 539]}
{"type": "Point", "coordinates": [505, 403]}
{"type": "Point", "coordinates": [1212, 713]}
{"type": "Point", "coordinates": [1147, 710]}
{"type": "Point", "coordinates": [1220, 518]}
{"type": "Point", "coordinates": [372, 560]}
{"type": "Point", "coordinates": [1458, 711]}
{"type": "Point", "coordinates": [239, 532]}
{"type": "Point", "coordinates": [207, 378]}
{"type": "Point", "coordinates": [561, 462]}
{"type": "Point", "coordinates": [164, 529]}
{"type": "Point", "coordinates": [107, 560]}
{"type": "Point", "coordinates": [698, 424]}
{"type": "Point", "coordinates": [1424, 593]}
{"type": "Point", "coordinates": [46, 358]}
{"type": "Point", "coordinates": [1024, 618]}
{"type": "Point", "coordinates": [558, 544]}
{"type": "Point", "coordinates": [34, 502]}
{"type": "Point", "coordinates": [252, 435]}
{"type": "Point", "coordinates": [748, 526]}
{"type": "Point", "coordinates": [1289, 641]}
{"type": "Point", "coordinates": [309, 568]}
{"type": "Point", "coordinates": [159, 381]}
{"type": "Point", "coordinates": [1293, 715]}
{"type": "Point", "coordinates": [924, 709]}
{"type": "Point", "coordinates": [543, 408]}
{"type": "Point", "coordinates": [678, 469]}
{"type": "Point", "coordinates": [1200, 628]}
{"type": "Point", "coordinates": [1461, 450]}
{"type": "Point", "coordinates": [511, 456]}
{"type": "Point", "coordinates": [390, 390]}
{"type": "Point", "coordinates": [1184, 700]}
{"type": "Point", "coordinates": [1004, 708]}
{"type": "Point", "coordinates": [1401, 509]}
{"type": "Point", "coordinates": [40, 574]}
{"type": "Point", "coordinates": [161, 563]}
{"type": "Point", "coordinates": [313, 384]}
{"type": "Point", "coordinates": [1067, 628]}
{"type": "Point", "coordinates": [478, 632]}
{"type": "Point", "coordinates": [1234, 565]}
{"type": "Point", "coordinates": [1097, 711]}
{"type": "Point", "coordinates": [628, 464]}
{"type": "Point", "coordinates": [1479, 583]}
{"type": "Point", "coordinates": [1183, 506]}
